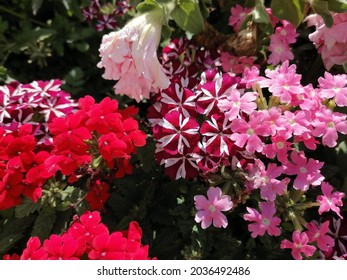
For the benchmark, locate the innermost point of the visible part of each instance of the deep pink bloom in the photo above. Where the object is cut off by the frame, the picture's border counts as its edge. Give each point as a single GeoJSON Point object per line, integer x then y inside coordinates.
{"type": "Point", "coordinates": [299, 245]}
{"type": "Point", "coordinates": [209, 210]}
{"type": "Point", "coordinates": [319, 235]}
{"type": "Point", "coordinates": [307, 171]}
{"type": "Point", "coordinates": [330, 200]}
{"type": "Point", "coordinates": [62, 247]}
{"type": "Point", "coordinates": [238, 14]}
{"type": "Point", "coordinates": [34, 250]}
{"type": "Point", "coordinates": [279, 147]}
{"type": "Point", "coordinates": [265, 221]}
{"type": "Point", "coordinates": [108, 247]}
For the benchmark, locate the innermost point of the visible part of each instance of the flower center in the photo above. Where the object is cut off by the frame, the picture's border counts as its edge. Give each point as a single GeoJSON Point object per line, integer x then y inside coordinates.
{"type": "Point", "coordinates": [250, 131]}
{"type": "Point", "coordinates": [303, 170]}
{"type": "Point", "coordinates": [330, 124]}
{"type": "Point", "coordinates": [212, 208]}
{"type": "Point", "coordinates": [336, 89]}
{"type": "Point", "coordinates": [280, 145]}
{"type": "Point", "coordinates": [265, 222]}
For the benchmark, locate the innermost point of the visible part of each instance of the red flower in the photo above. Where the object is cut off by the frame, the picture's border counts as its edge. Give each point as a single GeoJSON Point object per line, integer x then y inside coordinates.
{"type": "Point", "coordinates": [11, 188]}
{"type": "Point", "coordinates": [34, 251]}
{"type": "Point", "coordinates": [108, 247]}
{"type": "Point", "coordinates": [97, 195]}
{"type": "Point", "coordinates": [62, 248]}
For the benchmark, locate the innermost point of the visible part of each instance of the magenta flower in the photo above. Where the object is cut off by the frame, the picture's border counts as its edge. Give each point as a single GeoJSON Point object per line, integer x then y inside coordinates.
{"type": "Point", "coordinates": [238, 14]}
{"type": "Point", "coordinates": [327, 124]}
{"type": "Point", "coordinates": [246, 134]}
{"type": "Point", "coordinates": [209, 210]}
{"type": "Point", "coordinates": [264, 221]}
{"type": "Point", "coordinates": [319, 235]}
{"type": "Point", "coordinates": [299, 245]}
{"type": "Point", "coordinates": [330, 200]}
{"type": "Point", "coordinates": [307, 171]}
{"type": "Point", "coordinates": [279, 147]}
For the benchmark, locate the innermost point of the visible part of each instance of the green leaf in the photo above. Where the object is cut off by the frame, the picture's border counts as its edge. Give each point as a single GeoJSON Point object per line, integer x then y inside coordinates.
{"type": "Point", "coordinates": [187, 16]}
{"type": "Point", "coordinates": [259, 13]}
{"type": "Point", "coordinates": [249, 3]}
{"type": "Point", "coordinates": [26, 208]}
{"type": "Point", "coordinates": [291, 10]}
{"type": "Point", "coordinates": [338, 6]}
{"type": "Point", "coordinates": [322, 8]}
{"type": "Point", "coordinates": [147, 5]}
{"type": "Point", "coordinates": [44, 224]}
{"type": "Point", "coordinates": [36, 5]}
{"type": "Point", "coordinates": [145, 155]}
{"type": "Point", "coordinates": [6, 242]}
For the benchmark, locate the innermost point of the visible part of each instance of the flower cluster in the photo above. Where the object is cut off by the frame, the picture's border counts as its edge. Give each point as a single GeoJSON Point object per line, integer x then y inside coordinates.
{"type": "Point", "coordinates": [87, 238]}
{"type": "Point", "coordinates": [105, 14]}
{"type": "Point", "coordinates": [331, 43]}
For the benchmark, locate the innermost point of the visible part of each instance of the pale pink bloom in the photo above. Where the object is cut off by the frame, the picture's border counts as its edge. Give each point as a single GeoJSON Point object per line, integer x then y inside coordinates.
{"type": "Point", "coordinates": [283, 82]}
{"type": "Point", "coordinates": [299, 245]}
{"type": "Point", "coordinates": [238, 101]}
{"type": "Point", "coordinates": [327, 124]}
{"type": "Point", "coordinates": [319, 235]}
{"type": "Point", "coordinates": [311, 99]}
{"type": "Point", "coordinates": [331, 43]}
{"type": "Point", "coordinates": [238, 14]}
{"type": "Point", "coordinates": [246, 134]}
{"type": "Point", "coordinates": [280, 51]}
{"type": "Point", "coordinates": [209, 210]}
{"type": "Point", "coordinates": [251, 76]}
{"type": "Point", "coordinates": [130, 56]}
{"type": "Point", "coordinates": [265, 221]}
{"type": "Point", "coordinates": [297, 123]}
{"type": "Point", "coordinates": [307, 171]}
{"type": "Point", "coordinates": [330, 200]}
{"type": "Point", "coordinates": [334, 86]}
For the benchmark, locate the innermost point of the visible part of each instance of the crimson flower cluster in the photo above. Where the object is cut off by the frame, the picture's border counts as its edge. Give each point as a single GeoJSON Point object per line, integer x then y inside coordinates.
{"type": "Point", "coordinates": [105, 14]}
{"type": "Point", "coordinates": [87, 238]}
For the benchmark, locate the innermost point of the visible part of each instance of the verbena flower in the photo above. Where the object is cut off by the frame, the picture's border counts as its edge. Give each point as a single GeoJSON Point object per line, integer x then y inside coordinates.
{"type": "Point", "coordinates": [299, 245]}
{"type": "Point", "coordinates": [210, 208]}
{"type": "Point", "coordinates": [330, 200]}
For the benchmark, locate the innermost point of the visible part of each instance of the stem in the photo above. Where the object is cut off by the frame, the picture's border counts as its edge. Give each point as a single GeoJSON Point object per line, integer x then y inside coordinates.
{"type": "Point", "coordinates": [21, 16]}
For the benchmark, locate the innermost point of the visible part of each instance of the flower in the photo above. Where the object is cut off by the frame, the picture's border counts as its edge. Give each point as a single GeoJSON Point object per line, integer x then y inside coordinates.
{"type": "Point", "coordinates": [238, 14]}
{"type": "Point", "coordinates": [319, 235]}
{"type": "Point", "coordinates": [299, 245]}
{"type": "Point", "coordinates": [307, 171]}
{"type": "Point", "coordinates": [329, 200]}
{"type": "Point", "coordinates": [129, 56]}
{"type": "Point", "coordinates": [209, 210]}
{"type": "Point", "coordinates": [334, 86]}
{"type": "Point", "coordinates": [264, 221]}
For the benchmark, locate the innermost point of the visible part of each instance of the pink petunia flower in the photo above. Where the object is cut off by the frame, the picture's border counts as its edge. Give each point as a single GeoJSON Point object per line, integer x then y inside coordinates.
{"type": "Point", "coordinates": [209, 210]}
{"type": "Point", "coordinates": [307, 171]}
{"type": "Point", "coordinates": [319, 235]}
{"type": "Point", "coordinates": [299, 245]}
{"type": "Point", "coordinates": [264, 221]}
{"type": "Point", "coordinates": [130, 56]}
{"type": "Point", "coordinates": [330, 200]}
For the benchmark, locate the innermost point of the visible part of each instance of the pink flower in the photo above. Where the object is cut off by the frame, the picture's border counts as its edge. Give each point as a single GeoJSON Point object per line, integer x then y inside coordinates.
{"type": "Point", "coordinates": [238, 14]}
{"type": "Point", "coordinates": [238, 101]}
{"type": "Point", "coordinates": [319, 235]}
{"type": "Point", "coordinates": [209, 210]}
{"type": "Point", "coordinates": [330, 200]}
{"type": "Point", "coordinates": [334, 86]}
{"type": "Point", "coordinates": [330, 42]}
{"type": "Point", "coordinates": [283, 82]}
{"type": "Point", "coordinates": [264, 221]}
{"type": "Point", "coordinates": [279, 147]}
{"type": "Point", "coordinates": [235, 64]}
{"type": "Point", "coordinates": [327, 124]}
{"type": "Point", "coordinates": [299, 245]}
{"type": "Point", "coordinates": [280, 51]}
{"type": "Point", "coordinates": [307, 171]}
{"type": "Point", "coordinates": [265, 180]}
{"type": "Point", "coordinates": [129, 56]}
{"type": "Point", "coordinates": [247, 134]}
